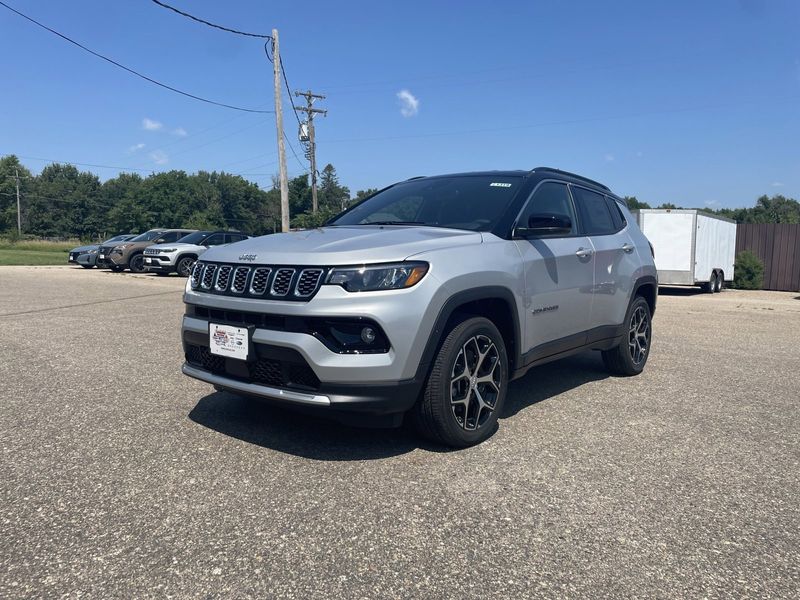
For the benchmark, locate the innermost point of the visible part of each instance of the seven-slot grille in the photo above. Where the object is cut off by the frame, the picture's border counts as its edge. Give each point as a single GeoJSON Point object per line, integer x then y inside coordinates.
{"type": "Point", "coordinates": [151, 251]}
{"type": "Point", "coordinates": [277, 283]}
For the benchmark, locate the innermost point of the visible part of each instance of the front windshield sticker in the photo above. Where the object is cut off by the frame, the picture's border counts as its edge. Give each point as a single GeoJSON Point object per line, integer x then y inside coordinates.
{"type": "Point", "coordinates": [496, 184]}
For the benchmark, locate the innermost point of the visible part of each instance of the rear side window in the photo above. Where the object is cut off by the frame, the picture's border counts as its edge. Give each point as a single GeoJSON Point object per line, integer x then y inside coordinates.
{"type": "Point", "coordinates": [595, 216]}
{"type": "Point", "coordinates": [616, 213]}
{"type": "Point", "coordinates": [233, 237]}
{"type": "Point", "coordinates": [215, 240]}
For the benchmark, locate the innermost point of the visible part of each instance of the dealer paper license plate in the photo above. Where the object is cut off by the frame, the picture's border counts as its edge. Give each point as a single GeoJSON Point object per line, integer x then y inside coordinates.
{"type": "Point", "coordinates": [226, 340]}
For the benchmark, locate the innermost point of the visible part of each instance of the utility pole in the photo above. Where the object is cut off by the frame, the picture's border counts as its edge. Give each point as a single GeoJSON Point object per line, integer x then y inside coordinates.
{"type": "Point", "coordinates": [19, 217]}
{"type": "Point", "coordinates": [276, 64]}
{"type": "Point", "coordinates": [312, 145]}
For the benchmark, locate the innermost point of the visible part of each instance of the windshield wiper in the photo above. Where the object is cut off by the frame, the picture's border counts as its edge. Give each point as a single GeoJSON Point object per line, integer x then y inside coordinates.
{"type": "Point", "coordinates": [393, 223]}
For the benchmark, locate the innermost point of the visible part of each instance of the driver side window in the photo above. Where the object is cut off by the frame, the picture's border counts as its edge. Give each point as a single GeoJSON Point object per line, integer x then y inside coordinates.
{"type": "Point", "coordinates": [550, 198]}
{"type": "Point", "coordinates": [215, 240]}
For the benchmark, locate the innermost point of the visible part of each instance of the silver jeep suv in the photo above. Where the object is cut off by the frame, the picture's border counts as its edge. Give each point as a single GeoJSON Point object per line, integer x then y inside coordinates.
{"type": "Point", "coordinates": [426, 299]}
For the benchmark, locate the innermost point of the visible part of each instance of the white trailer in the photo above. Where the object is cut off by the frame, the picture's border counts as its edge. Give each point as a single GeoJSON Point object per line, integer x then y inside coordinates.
{"type": "Point", "coordinates": [691, 247]}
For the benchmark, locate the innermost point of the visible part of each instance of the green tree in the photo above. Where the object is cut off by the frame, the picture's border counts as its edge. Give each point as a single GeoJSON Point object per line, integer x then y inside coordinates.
{"type": "Point", "coordinates": [9, 167]}
{"type": "Point", "coordinates": [668, 205]}
{"type": "Point", "coordinates": [634, 204]}
{"type": "Point", "coordinates": [748, 271]}
{"type": "Point", "coordinates": [332, 195]}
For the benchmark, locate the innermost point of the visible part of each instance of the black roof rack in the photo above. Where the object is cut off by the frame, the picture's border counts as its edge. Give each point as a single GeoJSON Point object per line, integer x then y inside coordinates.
{"type": "Point", "coordinates": [573, 175]}
{"type": "Point", "coordinates": [416, 177]}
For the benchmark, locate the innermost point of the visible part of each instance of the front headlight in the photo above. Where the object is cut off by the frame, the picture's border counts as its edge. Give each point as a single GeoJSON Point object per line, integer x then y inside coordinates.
{"type": "Point", "coordinates": [165, 250]}
{"type": "Point", "coordinates": [92, 252]}
{"type": "Point", "coordinates": [122, 247]}
{"type": "Point", "coordinates": [370, 278]}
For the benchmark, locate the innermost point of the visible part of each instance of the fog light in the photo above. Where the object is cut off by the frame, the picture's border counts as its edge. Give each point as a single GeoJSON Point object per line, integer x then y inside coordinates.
{"type": "Point", "coordinates": [368, 335]}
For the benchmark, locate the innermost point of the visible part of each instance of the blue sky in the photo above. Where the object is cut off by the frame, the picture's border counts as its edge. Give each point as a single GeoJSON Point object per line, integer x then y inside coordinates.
{"type": "Point", "coordinates": [695, 103]}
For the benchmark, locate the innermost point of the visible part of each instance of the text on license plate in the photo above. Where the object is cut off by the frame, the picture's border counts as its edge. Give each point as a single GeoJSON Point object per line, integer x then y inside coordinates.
{"type": "Point", "coordinates": [226, 340]}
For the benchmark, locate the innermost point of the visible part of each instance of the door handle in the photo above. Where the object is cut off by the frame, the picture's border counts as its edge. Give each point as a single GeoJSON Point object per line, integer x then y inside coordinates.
{"type": "Point", "coordinates": [584, 252]}
{"type": "Point", "coordinates": [627, 248]}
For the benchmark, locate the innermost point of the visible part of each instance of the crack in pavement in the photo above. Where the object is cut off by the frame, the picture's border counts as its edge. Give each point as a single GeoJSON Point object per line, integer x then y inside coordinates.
{"type": "Point", "coordinates": [43, 310]}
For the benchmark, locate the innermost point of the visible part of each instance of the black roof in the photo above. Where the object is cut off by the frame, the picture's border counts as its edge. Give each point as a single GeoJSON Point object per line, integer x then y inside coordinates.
{"type": "Point", "coordinates": [520, 173]}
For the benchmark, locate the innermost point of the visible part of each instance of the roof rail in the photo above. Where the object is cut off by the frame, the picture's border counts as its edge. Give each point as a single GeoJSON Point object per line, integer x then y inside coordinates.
{"type": "Point", "coordinates": [573, 175]}
{"type": "Point", "coordinates": [416, 177]}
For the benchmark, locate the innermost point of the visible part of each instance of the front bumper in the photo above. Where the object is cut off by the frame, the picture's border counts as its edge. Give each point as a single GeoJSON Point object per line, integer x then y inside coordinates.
{"type": "Point", "coordinates": [87, 259]}
{"type": "Point", "coordinates": [159, 263]}
{"type": "Point", "coordinates": [379, 383]}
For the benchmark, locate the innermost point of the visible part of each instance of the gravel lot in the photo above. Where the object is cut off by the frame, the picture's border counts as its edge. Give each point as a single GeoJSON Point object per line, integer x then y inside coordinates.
{"type": "Point", "coordinates": [122, 478]}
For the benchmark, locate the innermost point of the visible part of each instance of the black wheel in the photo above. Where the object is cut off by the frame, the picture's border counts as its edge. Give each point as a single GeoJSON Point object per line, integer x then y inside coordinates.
{"type": "Point", "coordinates": [466, 388]}
{"type": "Point", "coordinates": [117, 269]}
{"type": "Point", "coordinates": [630, 357]}
{"type": "Point", "coordinates": [720, 284]}
{"type": "Point", "coordinates": [161, 273]}
{"type": "Point", "coordinates": [87, 266]}
{"type": "Point", "coordinates": [185, 266]}
{"type": "Point", "coordinates": [136, 263]}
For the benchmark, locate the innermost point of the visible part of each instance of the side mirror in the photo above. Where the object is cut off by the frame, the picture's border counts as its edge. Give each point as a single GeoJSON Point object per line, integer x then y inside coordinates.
{"type": "Point", "coordinates": [160, 241]}
{"type": "Point", "coordinates": [541, 224]}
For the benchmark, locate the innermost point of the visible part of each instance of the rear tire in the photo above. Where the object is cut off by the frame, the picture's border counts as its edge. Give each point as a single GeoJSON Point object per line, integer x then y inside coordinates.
{"type": "Point", "coordinates": [630, 356]}
{"type": "Point", "coordinates": [720, 285]}
{"type": "Point", "coordinates": [466, 388]}
{"type": "Point", "coordinates": [712, 282]}
{"type": "Point", "coordinates": [87, 266]}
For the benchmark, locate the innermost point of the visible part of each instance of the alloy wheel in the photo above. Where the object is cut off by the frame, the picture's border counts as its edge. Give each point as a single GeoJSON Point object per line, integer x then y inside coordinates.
{"type": "Point", "coordinates": [639, 335]}
{"type": "Point", "coordinates": [185, 267]}
{"type": "Point", "coordinates": [475, 382]}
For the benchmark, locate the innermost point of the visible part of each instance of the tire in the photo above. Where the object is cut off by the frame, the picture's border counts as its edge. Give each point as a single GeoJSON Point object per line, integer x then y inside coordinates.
{"type": "Point", "coordinates": [136, 263]}
{"type": "Point", "coordinates": [712, 282]}
{"type": "Point", "coordinates": [630, 356]}
{"type": "Point", "coordinates": [161, 273]}
{"type": "Point", "coordinates": [720, 285]}
{"type": "Point", "coordinates": [87, 266]}
{"type": "Point", "coordinates": [185, 265]}
{"type": "Point", "coordinates": [117, 268]}
{"type": "Point", "coordinates": [472, 418]}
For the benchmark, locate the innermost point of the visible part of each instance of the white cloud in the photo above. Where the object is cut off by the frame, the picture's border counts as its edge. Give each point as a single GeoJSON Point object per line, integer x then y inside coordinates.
{"type": "Point", "coordinates": [159, 157]}
{"type": "Point", "coordinates": [136, 147]}
{"type": "Point", "coordinates": [151, 125]}
{"type": "Point", "coordinates": [777, 184]}
{"type": "Point", "coordinates": [179, 131]}
{"type": "Point", "coordinates": [712, 203]}
{"type": "Point", "coordinates": [609, 157]}
{"type": "Point", "coordinates": [409, 104]}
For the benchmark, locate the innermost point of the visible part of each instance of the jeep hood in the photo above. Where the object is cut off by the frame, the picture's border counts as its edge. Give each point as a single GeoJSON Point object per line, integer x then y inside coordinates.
{"type": "Point", "coordinates": [177, 246]}
{"type": "Point", "coordinates": [329, 246]}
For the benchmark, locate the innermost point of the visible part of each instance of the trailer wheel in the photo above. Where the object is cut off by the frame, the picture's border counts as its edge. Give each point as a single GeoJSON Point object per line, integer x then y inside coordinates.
{"type": "Point", "coordinates": [712, 283]}
{"type": "Point", "coordinates": [720, 281]}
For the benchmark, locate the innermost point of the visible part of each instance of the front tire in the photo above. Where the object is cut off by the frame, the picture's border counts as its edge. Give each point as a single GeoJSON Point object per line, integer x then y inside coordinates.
{"type": "Point", "coordinates": [185, 265]}
{"type": "Point", "coordinates": [630, 356]}
{"type": "Point", "coordinates": [466, 388]}
{"type": "Point", "coordinates": [136, 263]}
{"type": "Point", "coordinates": [87, 266]}
{"type": "Point", "coordinates": [720, 282]}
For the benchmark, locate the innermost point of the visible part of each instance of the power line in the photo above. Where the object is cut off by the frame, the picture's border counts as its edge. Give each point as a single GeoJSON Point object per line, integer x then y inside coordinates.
{"type": "Point", "coordinates": [69, 162]}
{"type": "Point", "coordinates": [132, 71]}
{"type": "Point", "coordinates": [299, 162]}
{"type": "Point", "coordinates": [210, 24]}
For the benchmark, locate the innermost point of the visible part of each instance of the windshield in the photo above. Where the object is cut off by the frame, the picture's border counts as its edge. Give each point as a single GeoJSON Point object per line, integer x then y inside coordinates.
{"type": "Point", "coordinates": [473, 202]}
{"type": "Point", "coordinates": [147, 236]}
{"type": "Point", "coordinates": [118, 238]}
{"type": "Point", "coordinates": [195, 238]}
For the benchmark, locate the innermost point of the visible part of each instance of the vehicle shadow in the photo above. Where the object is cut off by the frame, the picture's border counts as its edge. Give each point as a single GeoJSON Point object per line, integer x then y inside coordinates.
{"type": "Point", "coordinates": [551, 379]}
{"type": "Point", "coordinates": [681, 291]}
{"type": "Point", "coordinates": [308, 436]}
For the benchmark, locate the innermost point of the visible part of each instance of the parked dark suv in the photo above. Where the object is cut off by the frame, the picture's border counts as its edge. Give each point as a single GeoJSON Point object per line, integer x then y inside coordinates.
{"type": "Point", "coordinates": [130, 254]}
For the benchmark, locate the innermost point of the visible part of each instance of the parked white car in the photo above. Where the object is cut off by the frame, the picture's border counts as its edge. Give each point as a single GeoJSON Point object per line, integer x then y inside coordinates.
{"type": "Point", "coordinates": [179, 257]}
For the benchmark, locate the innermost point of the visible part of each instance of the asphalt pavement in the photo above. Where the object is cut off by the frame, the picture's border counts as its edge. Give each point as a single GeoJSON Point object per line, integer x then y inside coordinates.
{"type": "Point", "coordinates": [121, 478]}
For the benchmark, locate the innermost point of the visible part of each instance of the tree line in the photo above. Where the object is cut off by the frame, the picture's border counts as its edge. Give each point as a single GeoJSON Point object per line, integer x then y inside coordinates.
{"type": "Point", "coordinates": [775, 209]}
{"type": "Point", "coordinates": [63, 201]}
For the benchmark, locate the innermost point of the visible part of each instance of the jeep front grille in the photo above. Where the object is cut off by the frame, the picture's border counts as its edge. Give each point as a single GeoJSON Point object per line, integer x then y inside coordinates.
{"type": "Point", "coordinates": [307, 282]}
{"type": "Point", "coordinates": [239, 284]}
{"type": "Point", "coordinates": [275, 283]}
{"type": "Point", "coordinates": [223, 276]}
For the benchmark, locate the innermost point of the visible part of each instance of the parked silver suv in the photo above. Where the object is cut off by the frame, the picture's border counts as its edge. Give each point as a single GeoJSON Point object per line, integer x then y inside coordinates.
{"type": "Point", "coordinates": [426, 299]}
